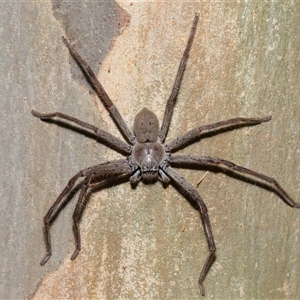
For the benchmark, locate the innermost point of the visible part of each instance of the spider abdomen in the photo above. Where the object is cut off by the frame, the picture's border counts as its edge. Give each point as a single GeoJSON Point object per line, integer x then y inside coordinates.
{"type": "Point", "coordinates": [148, 156]}
{"type": "Point", "coordinates": [146, 126]}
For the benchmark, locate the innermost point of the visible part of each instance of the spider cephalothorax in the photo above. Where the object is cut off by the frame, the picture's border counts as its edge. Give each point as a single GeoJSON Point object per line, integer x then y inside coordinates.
{"type": "Point", "coordinates": [148, 158]}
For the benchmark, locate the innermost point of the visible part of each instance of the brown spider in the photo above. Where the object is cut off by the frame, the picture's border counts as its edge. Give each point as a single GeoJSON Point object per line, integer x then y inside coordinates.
{"type": "Point", "coordinates": [148, 158]}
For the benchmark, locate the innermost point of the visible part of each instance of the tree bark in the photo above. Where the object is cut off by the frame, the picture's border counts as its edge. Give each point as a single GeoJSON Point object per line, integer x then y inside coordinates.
{"type": "Point", "coordinates": [148, 242]}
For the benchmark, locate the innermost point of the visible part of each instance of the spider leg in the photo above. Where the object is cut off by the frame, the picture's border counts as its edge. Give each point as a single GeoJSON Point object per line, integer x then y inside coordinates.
{"type": "Point", "coordinates": [54, 210]}
{"type": "Point", "coordinates": [188, 189]}
{"type": "Point", "coordinates": [98, 88]}
{"type": "Point", "coordinates": [225, 165]}
{"type": "Point", "coordinates": [194, 134]}
{"type": "Point", "coordinates": [77, 215]}
{"type": "Point", "coordinates": [112, 168]}
{"type": "Point", "coordinates": [101, 134]}
{"type": "Point", "coordinates": [172, 99]}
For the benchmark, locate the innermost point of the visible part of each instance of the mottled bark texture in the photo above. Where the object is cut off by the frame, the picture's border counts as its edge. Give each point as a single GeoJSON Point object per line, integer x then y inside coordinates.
{"type": "Point", "coordinates": [148, 242]}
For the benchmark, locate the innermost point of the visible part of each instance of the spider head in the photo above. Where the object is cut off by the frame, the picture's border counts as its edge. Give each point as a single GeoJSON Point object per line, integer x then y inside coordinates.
{"type": "Point", "coordinates": [149, 177]}
{"type": "Point", "coordinates": [148, 157]}
{"type": "Point", "coordinates": [146, 126]}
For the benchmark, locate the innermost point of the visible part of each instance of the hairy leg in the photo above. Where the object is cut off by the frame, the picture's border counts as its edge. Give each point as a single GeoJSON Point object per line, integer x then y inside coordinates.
{"type": "Point", "coordinates": [225, 165]}
{"type": "Point", "coordinates": [55, 209]}
{"type": "Point", "coordinates": [98, 88]}
{"type": "Point", "coordinates": [107, 169]}
{"type": "Point", "coordinates": [113, 169]}
{"type": "Point", "coordinates": [78, 213]}
{"type": "Point", "coordinates": [188, 189]}
{"type": "Point", "coordinates": [196, 133]}
{"type": "Point", "coordinates": [172, 99]}
{"type": "Point", "coordinates": [101, 134]}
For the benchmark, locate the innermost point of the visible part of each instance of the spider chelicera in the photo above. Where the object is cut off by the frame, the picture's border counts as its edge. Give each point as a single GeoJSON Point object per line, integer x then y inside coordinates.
{"type": "Point", "coordinates": [148, 159]}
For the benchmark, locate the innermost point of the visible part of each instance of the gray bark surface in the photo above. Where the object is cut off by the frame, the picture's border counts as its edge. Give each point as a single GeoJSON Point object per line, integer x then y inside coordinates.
{"type": "Point", "coordinates": [148, 242]}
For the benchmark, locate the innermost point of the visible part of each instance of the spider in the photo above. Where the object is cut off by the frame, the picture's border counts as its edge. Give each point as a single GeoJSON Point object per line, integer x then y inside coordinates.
{"type": "Point", "coordinates": [148, 159]}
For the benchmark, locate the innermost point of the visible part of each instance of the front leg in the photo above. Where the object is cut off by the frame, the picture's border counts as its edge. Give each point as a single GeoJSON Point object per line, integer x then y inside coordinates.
{"type": "Point", "coordinates": [54, 211]}
{"type": "Point", "coordinates": [106, 169]}
{"type": "Point", "coordinates": [186, 187]}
